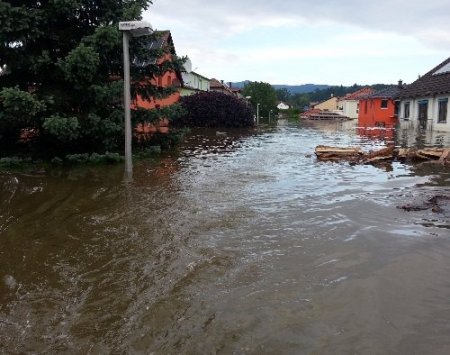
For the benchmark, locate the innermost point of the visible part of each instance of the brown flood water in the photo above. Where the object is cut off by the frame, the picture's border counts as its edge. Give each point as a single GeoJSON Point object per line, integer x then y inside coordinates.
{"type": "Point", "coordinates": [243, 246]}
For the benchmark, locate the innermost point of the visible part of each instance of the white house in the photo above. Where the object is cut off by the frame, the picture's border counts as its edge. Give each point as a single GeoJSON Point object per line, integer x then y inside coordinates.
{"type": "Point", "coordinates": [283, 106]}
{"type": "Point", "coordinates": [349, 104]}
{"type": "Point", "coordinates": [424, 103]}
{"type": "Point", "coordinates": [192, 81]}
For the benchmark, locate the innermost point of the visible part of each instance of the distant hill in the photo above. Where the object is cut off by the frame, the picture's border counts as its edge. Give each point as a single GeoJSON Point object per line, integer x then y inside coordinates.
{"type": "Point", "coordinates": [301, 89]}
{"type": "Point", "coordinates": [293, 89]}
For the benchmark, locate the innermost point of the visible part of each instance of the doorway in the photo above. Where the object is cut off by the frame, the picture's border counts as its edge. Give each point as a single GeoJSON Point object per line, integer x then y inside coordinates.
{"type": "Point", "coordinates": [423, 113]}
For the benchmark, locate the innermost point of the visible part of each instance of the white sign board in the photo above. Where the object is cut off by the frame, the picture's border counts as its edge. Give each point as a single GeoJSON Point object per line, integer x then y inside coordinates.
{"type": "Point", "coordinates": [134, 25]}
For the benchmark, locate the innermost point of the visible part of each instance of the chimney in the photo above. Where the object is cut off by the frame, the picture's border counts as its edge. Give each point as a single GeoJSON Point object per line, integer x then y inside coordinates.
{"type": "Point", "coordinates": [221, 81]}
{"type": "Point", "coordinates": [400, 83]}
{"type": "Point", "coordinates": [229, 84]}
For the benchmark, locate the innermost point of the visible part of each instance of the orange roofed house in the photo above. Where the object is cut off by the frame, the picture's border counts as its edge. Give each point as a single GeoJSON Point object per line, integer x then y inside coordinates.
{"type": "Point", "coordinates": [219, 86]}
{"type": "Point", "coordinates": [163, 42]}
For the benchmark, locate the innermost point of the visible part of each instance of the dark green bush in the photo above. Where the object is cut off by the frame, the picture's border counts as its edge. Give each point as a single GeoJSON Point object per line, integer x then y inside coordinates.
{"type": "Point", "coordinates": [77, 158]}
{"type": "Point", "coordinates": [12, 162]}
{"type": "Point", "coordinates": [94, 158]}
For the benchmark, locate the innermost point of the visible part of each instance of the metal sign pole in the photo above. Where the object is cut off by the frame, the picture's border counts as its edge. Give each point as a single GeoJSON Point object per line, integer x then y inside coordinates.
{"type": "Point", "coordinates": [127, 104]}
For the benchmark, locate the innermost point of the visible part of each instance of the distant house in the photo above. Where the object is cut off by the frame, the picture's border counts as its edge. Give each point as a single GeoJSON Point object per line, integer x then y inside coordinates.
{"type": "Point", "coordinates": [349, 104]}
{"type": "Point", "coordinates": [330, 104]}
{"type": "Point", "coordinates": [424, 103]}
{"type": "Point", "coordinates": [322, 115]}
{"type": "Point", "coordinates": [236, 91]}
{"type": "Point", "coordinates": [380, 109]}
{"type": "Point", "coordinates": [216, 85]}
{"type": "Point", "coordinates": [194, 83]}
{"type": "Point", "coordinates": [283, 106]}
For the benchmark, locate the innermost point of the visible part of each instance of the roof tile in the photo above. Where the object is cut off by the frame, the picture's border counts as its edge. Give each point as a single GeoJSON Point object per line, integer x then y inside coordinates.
{"type": "Point", "coordinates": [357, 95]}
{"type": "Point", "coordinates": [430, 83]}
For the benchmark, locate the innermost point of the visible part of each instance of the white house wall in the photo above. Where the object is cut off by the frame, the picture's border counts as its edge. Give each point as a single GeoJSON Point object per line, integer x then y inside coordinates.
{"type": "Point", "coordinates": [195, 81]}
{"type": "Point", "coordinates": [433, 113]}
{"type": "Point", "coordinates": [349, 108]}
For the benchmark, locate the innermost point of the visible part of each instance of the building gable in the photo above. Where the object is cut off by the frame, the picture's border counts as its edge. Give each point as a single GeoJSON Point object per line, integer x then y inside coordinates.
{"type": "Point", "coordinates": [435, 82]}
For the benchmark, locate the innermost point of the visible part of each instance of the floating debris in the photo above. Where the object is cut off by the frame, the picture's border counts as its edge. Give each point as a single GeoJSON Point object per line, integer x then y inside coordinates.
{"type": "Point", "coordinates": [355, 155]}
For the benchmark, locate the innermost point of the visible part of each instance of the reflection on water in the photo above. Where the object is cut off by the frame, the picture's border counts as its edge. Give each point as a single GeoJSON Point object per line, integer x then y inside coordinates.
{"type": "Point", "coordinates": [237, 243]}
{"type": "Point", "coordinates": [423, 138]}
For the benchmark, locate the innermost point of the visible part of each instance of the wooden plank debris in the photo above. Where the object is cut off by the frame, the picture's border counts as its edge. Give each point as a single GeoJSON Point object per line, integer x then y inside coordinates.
{"type": "Point", "coordinates": [355, 154]}
{"type": "Point", "coordinates": [324, 152]}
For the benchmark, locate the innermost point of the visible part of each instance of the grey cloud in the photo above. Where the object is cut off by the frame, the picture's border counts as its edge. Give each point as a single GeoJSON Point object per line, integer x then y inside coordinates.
{"type": "Point", "coordinates": [408, 17]}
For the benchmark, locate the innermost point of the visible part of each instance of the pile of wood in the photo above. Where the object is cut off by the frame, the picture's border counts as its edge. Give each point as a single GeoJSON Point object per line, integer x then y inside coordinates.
{"type": "Point", "coordinates": [356, 155]}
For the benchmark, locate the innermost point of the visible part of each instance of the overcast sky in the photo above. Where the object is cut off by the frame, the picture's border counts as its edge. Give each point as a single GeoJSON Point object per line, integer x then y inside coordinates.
{"type": "Point", "coordinates": [308, 41]}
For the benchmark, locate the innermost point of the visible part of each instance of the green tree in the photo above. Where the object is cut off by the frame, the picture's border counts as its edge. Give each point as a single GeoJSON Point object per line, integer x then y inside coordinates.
{"type": "Point", "coordinates": [66, 57]}
{"type": "Point", "coordinates": [300, 101]}
{"type": "Point", "coordinates": [263, 94]}
{"type": "Point", "coordinates": [18, 111]}
{"type": "Point", "coordinates": [284, 95]}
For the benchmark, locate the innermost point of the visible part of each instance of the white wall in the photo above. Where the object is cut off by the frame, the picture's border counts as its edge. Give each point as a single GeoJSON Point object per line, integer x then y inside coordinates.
{"type": "Point", "coordinates": [349, 108]}
{"type": "Point", "coordinates": [195, 81]}
{"type": "Point", "coordinates": [433, 113]}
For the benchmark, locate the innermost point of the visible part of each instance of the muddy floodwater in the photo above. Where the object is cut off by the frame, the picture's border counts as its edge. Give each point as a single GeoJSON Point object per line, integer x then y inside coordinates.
{"type": "Point", "coordinates": [236, 243]}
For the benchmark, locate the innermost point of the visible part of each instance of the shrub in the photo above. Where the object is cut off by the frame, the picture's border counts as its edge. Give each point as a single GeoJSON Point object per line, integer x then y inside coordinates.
{"type": "Point", "coordinates": [94, 158]}
{"type": "Point", "coordinates": [11, 162]}
{"type": "Point", "coordinates": [77, 158]}
{"type": "Point", "coordinates": [18, 109]}
{"type": "Point", "coordinates": [57, 161]}
{"type": "Point", "coordinates": [65, 129]}
{"type": "Point", "coordinates": [215, 109]}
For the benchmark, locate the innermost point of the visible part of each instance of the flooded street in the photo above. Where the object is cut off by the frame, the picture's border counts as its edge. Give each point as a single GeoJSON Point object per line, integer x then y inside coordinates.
{"type": "Point", "coordinates": [237, 244]}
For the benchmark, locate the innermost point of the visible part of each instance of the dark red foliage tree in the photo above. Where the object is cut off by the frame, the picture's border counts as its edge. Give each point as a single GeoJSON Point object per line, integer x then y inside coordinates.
{"type": "Point", "coordinates": [215, 109]}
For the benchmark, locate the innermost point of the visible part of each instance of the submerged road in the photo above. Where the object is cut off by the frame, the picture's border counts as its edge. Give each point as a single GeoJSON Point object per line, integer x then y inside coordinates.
{"type": "Point", "coordinates": [236, 244]}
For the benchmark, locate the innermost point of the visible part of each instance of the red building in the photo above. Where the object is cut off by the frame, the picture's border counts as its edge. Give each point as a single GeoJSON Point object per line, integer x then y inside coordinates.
{"type": "Point", "coordinates": [168, 79]}
{"type": "Point", "coordinates": [380, 108]}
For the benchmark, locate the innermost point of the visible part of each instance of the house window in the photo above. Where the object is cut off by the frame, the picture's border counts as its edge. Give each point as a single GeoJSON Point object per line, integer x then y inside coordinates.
{"type": "Point", "coordinates": [365, 106]}
{"type": "Point", "coordinates": [406, 109]}
{"type": "Point", "coordinates": [443, 105]}
{"type": "Point", "coordinates": [384, 103]}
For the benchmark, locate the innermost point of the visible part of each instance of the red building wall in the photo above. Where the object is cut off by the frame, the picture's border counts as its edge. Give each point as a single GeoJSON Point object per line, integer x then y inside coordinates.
{"type": "Point", "coordinates": [164, 81]}
{"type": "Point", "coordinates": [372, 114]}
